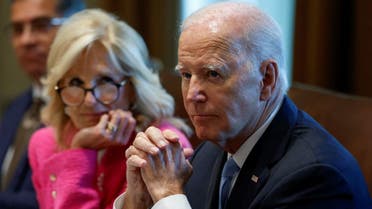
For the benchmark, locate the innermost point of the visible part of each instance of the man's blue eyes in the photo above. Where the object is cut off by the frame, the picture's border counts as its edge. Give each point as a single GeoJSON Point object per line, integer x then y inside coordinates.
{"type": "Point", "coordinates": [210, 74]}
{"type": "Point", "coordinates": [213, 73]}
{"type": "Point", "coordinates": [186, 75]}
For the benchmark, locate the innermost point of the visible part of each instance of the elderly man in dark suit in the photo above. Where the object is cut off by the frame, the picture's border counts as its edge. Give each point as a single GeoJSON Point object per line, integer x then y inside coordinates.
{"type": "Point", "coordinates": [33, 24]}
{"type": "Point", "coordinates": [260, 151]}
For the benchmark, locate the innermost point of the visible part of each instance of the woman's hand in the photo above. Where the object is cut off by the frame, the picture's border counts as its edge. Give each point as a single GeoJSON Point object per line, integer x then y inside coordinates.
{"type": "Point", "coordinates": [114, 128]}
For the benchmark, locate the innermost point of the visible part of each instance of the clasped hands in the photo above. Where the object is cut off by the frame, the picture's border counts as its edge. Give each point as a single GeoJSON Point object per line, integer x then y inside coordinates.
{"type": "Point", "coordinates": [157, 167]}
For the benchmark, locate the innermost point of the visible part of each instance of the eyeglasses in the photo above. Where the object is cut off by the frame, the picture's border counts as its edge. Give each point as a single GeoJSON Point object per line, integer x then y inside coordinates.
{"type": "Point", "coordinates": [105, 93]}
{"type": "Point", "coordinates": [40, 25]}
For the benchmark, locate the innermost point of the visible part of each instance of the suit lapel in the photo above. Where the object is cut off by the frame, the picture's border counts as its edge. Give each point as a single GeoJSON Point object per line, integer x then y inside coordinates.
{"type": "Point", "coordinates": [214, 183]}
{"type": "Point", "coordinates": [203, 186]}
{"type": "Point", "coordinates": [11, 120]}
{"type": "Point", "coordinates": [268, 150]}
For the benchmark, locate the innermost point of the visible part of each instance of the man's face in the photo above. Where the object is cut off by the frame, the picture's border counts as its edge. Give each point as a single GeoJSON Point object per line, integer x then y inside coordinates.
{"type": "Point", "coordinates": [31, 33]}
{"type": "Point", "coordinates": [221, 91]}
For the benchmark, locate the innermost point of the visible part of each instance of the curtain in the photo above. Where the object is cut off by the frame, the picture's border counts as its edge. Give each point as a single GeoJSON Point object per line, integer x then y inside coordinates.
{"type": "Point", "coordinates": [331, 45]}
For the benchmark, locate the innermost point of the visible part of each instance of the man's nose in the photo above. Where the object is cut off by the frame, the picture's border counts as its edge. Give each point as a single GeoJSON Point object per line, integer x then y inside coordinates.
{"type": "Point", "coordinates": [27, 36]}
{"type": "Point", "coordinates": [196, 91]}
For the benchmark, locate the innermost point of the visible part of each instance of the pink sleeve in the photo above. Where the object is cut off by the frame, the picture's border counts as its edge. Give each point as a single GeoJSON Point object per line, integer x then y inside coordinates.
{"type": "Point", "coordinates": [183, 139]}
{"type": "Point", "coordinates": [64, 179]}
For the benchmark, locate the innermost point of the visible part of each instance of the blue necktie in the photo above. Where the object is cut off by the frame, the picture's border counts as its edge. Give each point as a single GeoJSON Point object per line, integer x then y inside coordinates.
{"type": "Point", "coordinates": [230, 169]}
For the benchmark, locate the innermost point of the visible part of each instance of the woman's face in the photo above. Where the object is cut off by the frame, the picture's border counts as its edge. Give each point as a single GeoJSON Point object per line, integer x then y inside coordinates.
{"type": "Point", "coordinates": [93, 69]}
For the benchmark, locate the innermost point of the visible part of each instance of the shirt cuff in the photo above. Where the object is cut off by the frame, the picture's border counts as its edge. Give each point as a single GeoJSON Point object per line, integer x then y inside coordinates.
{"type": "Point", "coordinates": [119, 202]}
{"type": "Point", "coordinates": [177, 201]}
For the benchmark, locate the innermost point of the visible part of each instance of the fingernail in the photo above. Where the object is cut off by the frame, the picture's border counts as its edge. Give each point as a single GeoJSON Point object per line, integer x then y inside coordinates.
{"type": "Point", "coordinates": [163, 144]}
{"type": "Point", "coordinates": [154, 150]}
{"type": "Point", "coordinates": [170, 135]}
{"type": "Point", "coordinates": [143, 163]}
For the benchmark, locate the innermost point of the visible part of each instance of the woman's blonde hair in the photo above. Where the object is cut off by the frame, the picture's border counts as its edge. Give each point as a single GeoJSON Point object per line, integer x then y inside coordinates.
{"type": "Point", "coordinates": [127, 52]}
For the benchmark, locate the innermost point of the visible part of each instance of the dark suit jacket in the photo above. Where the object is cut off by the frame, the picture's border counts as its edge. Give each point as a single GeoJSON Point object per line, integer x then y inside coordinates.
{"type": "Point", "coordinates": [298, 165]}
{"type": "Point", "coordinates": [20, 193]}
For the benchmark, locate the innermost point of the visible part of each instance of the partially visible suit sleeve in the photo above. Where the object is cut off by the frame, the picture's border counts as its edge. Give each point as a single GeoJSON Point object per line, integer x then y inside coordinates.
{"type": "Point", "coordinates": [20, 194]}
{"type": "Point", "coordinates": [20, 200]}
{"type": "Point", "coordinates": [24, 199]}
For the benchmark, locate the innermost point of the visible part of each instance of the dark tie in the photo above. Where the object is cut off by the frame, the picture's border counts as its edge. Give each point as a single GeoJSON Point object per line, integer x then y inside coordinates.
{"type": "Point", "coordinates": [30, 122]}
{"type": "Point", "coordinates": [230, 169]}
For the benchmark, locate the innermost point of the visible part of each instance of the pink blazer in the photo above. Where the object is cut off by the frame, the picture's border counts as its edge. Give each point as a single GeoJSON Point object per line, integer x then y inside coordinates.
{"type": "Point", "coordinates": [75, 178]}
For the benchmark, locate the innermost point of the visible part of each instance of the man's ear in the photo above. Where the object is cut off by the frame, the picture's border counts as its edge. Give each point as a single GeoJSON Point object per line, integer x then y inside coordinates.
{"type": "Point", "coordinates": [269, 70]}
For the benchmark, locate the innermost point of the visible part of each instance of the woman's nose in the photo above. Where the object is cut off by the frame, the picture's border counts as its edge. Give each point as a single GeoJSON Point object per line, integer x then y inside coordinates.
{"type": "Point", "coordinates": [89, 98]}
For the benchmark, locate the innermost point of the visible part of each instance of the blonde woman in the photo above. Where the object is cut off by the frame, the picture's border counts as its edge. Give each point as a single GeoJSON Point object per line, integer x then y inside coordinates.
{"type": "Point", "coordinates": [102, 91]}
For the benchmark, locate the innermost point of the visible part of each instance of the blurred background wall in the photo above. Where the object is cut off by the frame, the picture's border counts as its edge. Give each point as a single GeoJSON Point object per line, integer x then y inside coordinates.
{"type": "Point", "coordinates": [12, 80]}
{"type": "Point", "coordinates": [332, 45]}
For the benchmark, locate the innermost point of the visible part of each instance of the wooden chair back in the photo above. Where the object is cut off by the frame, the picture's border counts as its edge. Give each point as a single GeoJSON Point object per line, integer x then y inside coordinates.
{"type": "Point", "coordinates": [347, 117]}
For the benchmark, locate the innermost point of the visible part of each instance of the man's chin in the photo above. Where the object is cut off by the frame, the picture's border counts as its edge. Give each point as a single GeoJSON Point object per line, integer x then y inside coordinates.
{"type": "Point", "coordinates": [205, 134]}
{"type": "Point", "coordinates": [35, 73]}
{"type": "Point", "coordinates": [32, 64]}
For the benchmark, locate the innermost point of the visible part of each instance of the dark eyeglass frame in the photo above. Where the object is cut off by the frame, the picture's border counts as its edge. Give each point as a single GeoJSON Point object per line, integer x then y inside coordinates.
{"type": "Point", "coordinates": [117, 85]}
{"type": "Point", "coordinates": [39, 25]}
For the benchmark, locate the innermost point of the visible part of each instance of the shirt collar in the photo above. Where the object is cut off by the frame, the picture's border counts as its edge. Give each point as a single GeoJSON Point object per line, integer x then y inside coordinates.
{"type": "Point", "coordinates": [241, 155]}
{"type": "Point", "coordinates": [38, 92]}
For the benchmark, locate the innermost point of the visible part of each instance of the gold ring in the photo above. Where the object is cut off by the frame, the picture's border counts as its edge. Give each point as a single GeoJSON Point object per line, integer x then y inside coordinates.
{"type": "Point", "coordinates": [111, 128]}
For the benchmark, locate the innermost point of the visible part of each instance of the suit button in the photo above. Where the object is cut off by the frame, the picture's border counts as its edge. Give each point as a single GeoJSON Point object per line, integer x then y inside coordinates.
{"type": "Point", "coordinates": [52, 177]}
{"type": "Point", "coordinates": [54, 194]}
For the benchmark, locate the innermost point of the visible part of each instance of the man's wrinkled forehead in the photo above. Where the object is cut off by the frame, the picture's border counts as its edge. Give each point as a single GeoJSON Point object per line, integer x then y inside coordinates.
{"type": "Point", "coordinates": [213, 34]}
{"type": "Point", "coordinates": [209, 22]}
{"type": "Point", "coordinates": [217, 13]}
{"type": "Point", "coordinates": [223, 20]}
